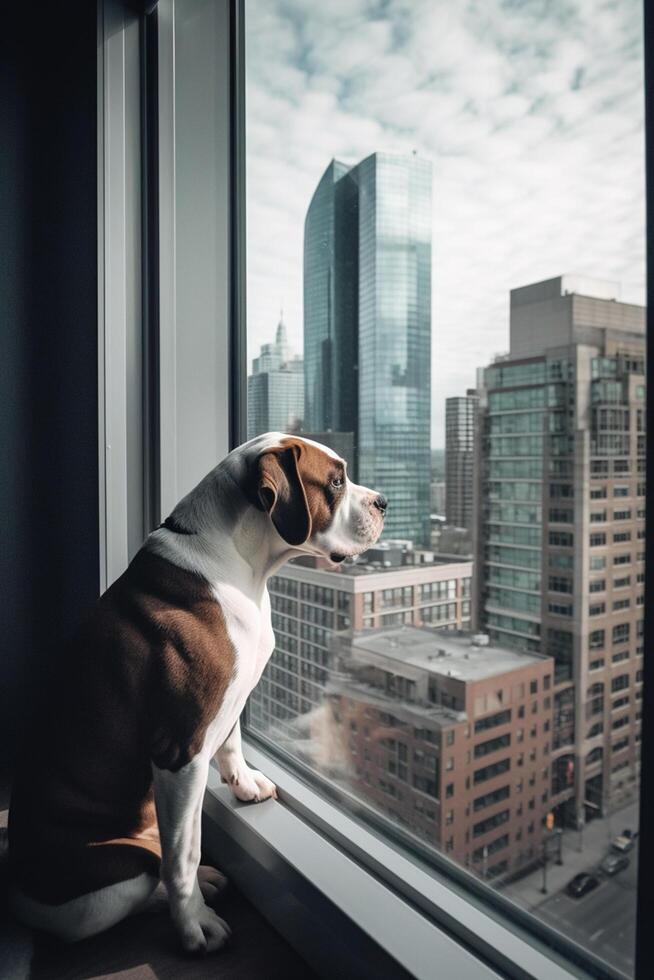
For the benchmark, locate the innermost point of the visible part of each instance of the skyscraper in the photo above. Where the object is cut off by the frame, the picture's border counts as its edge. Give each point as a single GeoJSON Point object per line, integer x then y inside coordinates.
{"type": "Point", "coordinates": [560, 543]}
{"type": "Point", "coordinates": [275, 388]}
{"type": "Point", "coordinates": [459, 458]}
{"type": "Point", "coordinates": [367, 325]}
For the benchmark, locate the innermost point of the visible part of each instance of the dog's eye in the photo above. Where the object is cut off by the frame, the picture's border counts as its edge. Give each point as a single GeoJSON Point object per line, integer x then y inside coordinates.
{"type": "Point", "coordinates": [337, 483]}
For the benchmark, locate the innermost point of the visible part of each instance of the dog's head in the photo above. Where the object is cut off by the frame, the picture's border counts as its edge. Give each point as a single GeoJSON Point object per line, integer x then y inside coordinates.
{"type": "Point", "coordinates": [312, 503]}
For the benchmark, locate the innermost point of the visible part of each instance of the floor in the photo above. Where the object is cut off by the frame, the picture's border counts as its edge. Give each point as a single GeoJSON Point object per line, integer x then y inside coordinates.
{"type": "Point", "coordinates": [144, 948]}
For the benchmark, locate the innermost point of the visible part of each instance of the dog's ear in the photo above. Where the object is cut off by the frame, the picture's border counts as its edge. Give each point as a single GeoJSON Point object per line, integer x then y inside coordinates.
{"type": "Point", "coordinates": [281, 493]}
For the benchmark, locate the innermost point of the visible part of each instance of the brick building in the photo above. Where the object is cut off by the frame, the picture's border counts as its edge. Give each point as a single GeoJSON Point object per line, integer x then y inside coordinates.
{"type": "Point", "coordinates": [311, 604]}
{"type": "Point", "coordinates": [449, 739]}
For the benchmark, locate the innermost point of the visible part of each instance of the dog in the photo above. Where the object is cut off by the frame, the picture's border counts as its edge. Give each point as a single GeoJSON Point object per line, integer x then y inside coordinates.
{"type": "Point", "coordinates": [108, 799]}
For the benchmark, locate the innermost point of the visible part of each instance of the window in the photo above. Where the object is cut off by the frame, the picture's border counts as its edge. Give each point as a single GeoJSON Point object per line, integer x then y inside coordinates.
{"type": "Point", "coordinates": [354, 180]}
{"type": "Point", "coordinates": [620, 683]}
{"type": "Point", "coordinates": [561, 539]}
{"type": "Point", "coordinates": [596, 640]}
{"type": "Point", "coordinates": [559, 584]}
{"type": "Point", "coordinates": [484, 826]}
{"type": "Point", "coordinates": [501, 718]}
{"type": "Point", "coordinates": [560, 608]}
{"type": "Point", "coordinates": [492, 745]}
{"type": "Point", "coordinates": [621, 633]}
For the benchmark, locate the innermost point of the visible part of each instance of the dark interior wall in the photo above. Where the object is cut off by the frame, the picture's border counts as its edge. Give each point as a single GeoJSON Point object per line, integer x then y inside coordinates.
{"type": "Point", "coordinates": [49, 562]}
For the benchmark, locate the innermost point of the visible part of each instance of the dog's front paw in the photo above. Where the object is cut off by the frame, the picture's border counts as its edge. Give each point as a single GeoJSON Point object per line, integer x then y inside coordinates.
{"type": "Point", "coordinates": [250, 785]}
{"type": "Point", "coordinates": [205, 932]}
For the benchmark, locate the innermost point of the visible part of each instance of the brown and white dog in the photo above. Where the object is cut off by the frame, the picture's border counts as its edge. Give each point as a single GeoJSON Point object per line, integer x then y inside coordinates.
{"type": "Point", "coordinates": [109, 796]}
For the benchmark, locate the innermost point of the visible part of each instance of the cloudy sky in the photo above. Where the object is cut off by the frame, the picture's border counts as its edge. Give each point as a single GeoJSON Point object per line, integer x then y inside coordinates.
{"type": "Point", "coordinates": [531, 112]}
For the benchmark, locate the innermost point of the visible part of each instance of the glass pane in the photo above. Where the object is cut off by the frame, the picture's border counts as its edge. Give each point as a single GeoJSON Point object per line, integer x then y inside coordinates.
{"type": "Point", "coordinates": [446, 280]}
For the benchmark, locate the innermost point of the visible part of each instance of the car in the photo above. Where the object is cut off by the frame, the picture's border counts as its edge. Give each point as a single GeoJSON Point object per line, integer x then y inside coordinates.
{"type": "Point", "coordinates": [581, 884]}
{"type": "Point", "coordinates": [631, 834]}
{"type": "Point", "coordinates": [622, 843]}
{"type": "Point", "coordinates": [613, 863]}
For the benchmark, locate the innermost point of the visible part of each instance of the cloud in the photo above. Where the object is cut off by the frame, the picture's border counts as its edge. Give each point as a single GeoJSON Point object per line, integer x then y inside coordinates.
{"type": "Point", "coordinates": [532, 114]}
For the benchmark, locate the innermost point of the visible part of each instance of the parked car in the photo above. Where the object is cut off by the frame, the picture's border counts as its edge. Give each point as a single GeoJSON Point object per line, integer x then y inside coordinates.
{"type": "Point", "coordinates": [631, 834]}
{"type": "Point", "coordinates": [581, 884]}
{"type": "Point", "coordinates": [622, 843]}
{"type": "Point", "coordinates": [613, 863]}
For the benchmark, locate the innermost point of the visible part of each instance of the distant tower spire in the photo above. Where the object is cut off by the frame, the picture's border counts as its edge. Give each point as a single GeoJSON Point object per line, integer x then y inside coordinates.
{"type": "Point", "coordinates": [281, 340]}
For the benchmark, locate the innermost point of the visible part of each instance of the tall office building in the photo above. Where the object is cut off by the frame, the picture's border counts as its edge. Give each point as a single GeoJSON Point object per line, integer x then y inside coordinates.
{"type": "Point", "coordinates": [275, 388]}
{"type": "Point", "coordinates": [560, 546]}
{"type": "Point", "coordinates": [367, 326]}
{"type": "Point", "coordinates": [459, 458]}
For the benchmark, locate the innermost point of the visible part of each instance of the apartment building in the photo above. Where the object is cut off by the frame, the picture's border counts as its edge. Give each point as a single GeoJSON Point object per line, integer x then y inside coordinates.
{"type": "Point", "coordinates": [559, 539]}
{"type": "Point", "coordinates": [311, 604]}
{"type": "Point", "coordinates": [449, 736]}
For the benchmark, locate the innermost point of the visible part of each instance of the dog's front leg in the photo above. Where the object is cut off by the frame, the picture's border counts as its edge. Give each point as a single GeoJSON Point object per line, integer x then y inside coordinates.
{"type": "Point", "coordinates": [246, 784]}
{"type": "Point", "coordinates": [178, 799]}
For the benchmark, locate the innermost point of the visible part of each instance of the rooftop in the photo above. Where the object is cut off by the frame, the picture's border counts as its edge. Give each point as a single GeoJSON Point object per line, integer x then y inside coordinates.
{"type": "Point", "coordinates": [446, 653]}
{"type": "Point", "coordinates": [567, 285]}
{"type": "Point", "coordinates": [362, 577]}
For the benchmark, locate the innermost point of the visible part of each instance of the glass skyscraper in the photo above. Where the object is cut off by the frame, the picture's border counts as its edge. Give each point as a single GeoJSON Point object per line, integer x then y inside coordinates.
{"type": "Point", "coordinates": [367, 326]}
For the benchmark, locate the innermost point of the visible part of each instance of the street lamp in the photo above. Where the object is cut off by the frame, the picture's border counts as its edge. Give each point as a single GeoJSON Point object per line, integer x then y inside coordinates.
{"type": "Point", "coordinates": [559, 837]}
{"type": "Point", "coordinates": [581, 820]}
{"type": "Point", "coordinates": [544, 885]}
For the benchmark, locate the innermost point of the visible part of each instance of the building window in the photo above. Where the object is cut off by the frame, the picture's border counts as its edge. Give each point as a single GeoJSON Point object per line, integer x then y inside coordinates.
{"type": "Point", "coordinates": [620, 633]}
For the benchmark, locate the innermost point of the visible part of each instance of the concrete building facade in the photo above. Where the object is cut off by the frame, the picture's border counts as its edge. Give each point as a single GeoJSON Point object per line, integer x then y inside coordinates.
{"type": "Point", "coordinates": [559, 538]}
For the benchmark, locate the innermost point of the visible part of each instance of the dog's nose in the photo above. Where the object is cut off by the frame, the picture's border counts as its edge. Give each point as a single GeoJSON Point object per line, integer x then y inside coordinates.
{"type": "Point", "coordinates": [380, 502]}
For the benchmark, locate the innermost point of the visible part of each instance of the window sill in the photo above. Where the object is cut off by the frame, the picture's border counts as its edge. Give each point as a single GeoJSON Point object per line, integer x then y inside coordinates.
{"type": "Point", "coordinates": [312, 889]}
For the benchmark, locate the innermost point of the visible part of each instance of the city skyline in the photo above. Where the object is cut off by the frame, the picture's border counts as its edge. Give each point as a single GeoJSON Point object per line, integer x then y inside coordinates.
{"type": "Point", "coordinates": [560, 122]}
{"type": "Point", "coordinates": [528, 124]}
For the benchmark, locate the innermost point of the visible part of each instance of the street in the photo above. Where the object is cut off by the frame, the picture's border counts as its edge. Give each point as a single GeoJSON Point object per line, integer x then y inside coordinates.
{"type": "Point", "coordinates": [603, 921]}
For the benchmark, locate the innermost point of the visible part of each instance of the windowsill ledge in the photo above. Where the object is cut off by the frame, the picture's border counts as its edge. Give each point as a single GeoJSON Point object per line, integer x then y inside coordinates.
{"type": "Point", "coordinates": [305, 883]}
